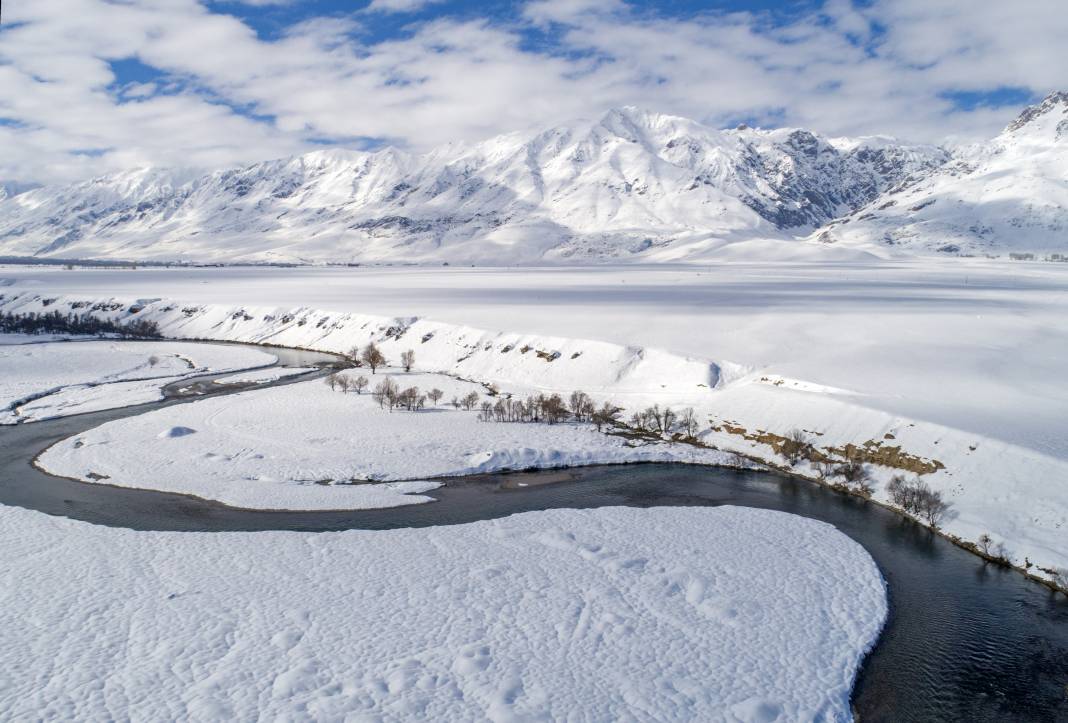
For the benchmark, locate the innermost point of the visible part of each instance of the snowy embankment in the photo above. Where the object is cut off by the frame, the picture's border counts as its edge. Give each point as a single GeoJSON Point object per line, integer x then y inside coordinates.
{"type": "Point", "coordinates": [305, 447]}
{"type": "Point", "coordinates": [913, 398]}
{"type": "Point", "coordinates": [677, 613]}
{"type": "Point", "coordinates": [45, 380]}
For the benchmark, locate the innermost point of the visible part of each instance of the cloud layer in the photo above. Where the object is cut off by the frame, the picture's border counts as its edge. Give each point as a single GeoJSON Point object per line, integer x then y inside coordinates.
{"type": "Point", "coordinates": [211, 91]}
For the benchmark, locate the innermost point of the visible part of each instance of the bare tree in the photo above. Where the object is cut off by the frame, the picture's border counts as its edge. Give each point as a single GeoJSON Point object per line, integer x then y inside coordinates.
{"type": "Point", "coordinates": [455, 403]}
{"type": "Point", "coordinates": [581, 405]}
{"type": "Point", "coordinates": [435, 395]}
{"type": "Point", "coordinates": [344, 383]}
{"type": "Point", "coordinates": [607, 414]}
{"type": "Point", "coordinates": [409, 398]}
{"type": "Point", "coordinates": [331, 381]}
{"type": "Point", "coordinates": [985, 542]}
{"type": "Point", "coordinates": [354, 355]}
{"type": "Point", "coordinates": [373, 357]}
{"type": "Point", "coordinates": [796, 446]}
{"type": "Point", "coordinates": [689, 423]}
{"type": "Point", "coordinates": [553, 408]}
{"type": "Point", "coordinates": [485, 413]}
{"type": "Point", "coordinates": [469, 401]}
{"type": "Point", "coordinates": [407, 359]}
{"type": "Point", "coordinates": [385, 393]}
{"type": "Point", "coordinates": [359, 384]}
{"type": "Point", "coordinates": [933, 507]}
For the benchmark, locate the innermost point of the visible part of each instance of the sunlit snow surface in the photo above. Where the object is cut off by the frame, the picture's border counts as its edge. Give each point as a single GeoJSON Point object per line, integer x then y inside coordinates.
{"type": "Point", "coordinates": [303, 447]}
{"type": "Point", "coordinates": [613, 614]}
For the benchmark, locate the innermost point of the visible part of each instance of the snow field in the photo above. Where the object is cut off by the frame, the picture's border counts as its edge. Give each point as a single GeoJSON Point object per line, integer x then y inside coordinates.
{"type": "Point", "coordinates": [608, 614]}
{"type": "Point", "coordinates": [302, 446]}
{"type": "Point", "coordinates": [43, 380]}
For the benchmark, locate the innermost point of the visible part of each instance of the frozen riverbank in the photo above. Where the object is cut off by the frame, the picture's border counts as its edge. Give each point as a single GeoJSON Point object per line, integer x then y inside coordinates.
{"type": "Point", "coordinates": [57, 378]}
{"type": "Point", "coordinates": [612, 612]}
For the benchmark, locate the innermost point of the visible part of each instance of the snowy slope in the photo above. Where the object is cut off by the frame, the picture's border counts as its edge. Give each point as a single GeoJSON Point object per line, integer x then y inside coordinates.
{"type": "Point", "coordinates": [1010, 194]}
{"type": "Point", "coordinates": [632, 183]}
{"type": "Point", "coordinates": [610, 614]}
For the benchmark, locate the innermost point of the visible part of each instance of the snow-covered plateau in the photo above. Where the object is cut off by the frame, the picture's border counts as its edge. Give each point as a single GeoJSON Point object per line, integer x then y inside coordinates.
{"type": "Point", "coordinates": [726, 614]}
{"type": "Point", "coordinates": [948, 370]}
{"type": "Point", "coordinates": [631, 185]}
{"type": "Point", "coordinates": [57, 378]}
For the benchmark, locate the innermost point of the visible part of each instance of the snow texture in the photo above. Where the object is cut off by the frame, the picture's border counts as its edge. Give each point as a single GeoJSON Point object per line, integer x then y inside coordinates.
{"type": "Point", "coordinates": [45, 380]}
{"type": "Point", "coordinates": [726, 614]}
{"type": "Point", "coordinates": [303, 446]}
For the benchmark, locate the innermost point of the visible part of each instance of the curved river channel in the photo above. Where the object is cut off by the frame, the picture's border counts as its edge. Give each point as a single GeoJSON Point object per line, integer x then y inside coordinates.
{"type": "Point", "coordinates": [965, 641]}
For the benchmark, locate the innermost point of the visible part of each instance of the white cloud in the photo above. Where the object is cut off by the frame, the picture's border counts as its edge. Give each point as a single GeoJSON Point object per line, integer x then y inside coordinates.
{"type": "Point", "coordinates": [450, 80]}
{"type": "Point", "coordinates": [399, 6]}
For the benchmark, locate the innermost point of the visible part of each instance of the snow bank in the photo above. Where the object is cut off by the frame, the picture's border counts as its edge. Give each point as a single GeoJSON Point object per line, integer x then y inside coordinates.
{"type": "Point", "coordinates": [303, 446]}
{"type": "Point", "coordinates": [44, 380]}
{"type": "Point", "coordinates": [608, 614]}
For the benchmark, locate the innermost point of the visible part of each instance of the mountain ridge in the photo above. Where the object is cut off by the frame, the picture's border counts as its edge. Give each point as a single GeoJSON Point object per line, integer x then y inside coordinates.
{"type": "Point", "coordinates": [631, 184]}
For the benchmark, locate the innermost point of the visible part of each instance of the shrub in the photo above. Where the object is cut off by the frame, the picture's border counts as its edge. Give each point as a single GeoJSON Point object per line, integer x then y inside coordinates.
{"type": "Point", "coordinates": [853, 471]}
{"type": "Point", "coordinates": [796, 446]}
{"type": "Point", "coordinates": [606, 415]}
{"type": "Point", "coordinates": [917, 498]}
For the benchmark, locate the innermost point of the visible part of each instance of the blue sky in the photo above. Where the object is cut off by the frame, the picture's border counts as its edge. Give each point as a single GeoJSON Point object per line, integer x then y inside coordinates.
{"type": "Point", "coordinates": [92, 86]}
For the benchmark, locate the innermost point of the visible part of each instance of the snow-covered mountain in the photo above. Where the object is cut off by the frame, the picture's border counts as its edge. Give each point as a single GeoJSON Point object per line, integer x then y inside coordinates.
{"type": "Point", "coordinates": [1010, 194]}
{"type": "Point", "coordinates": [631, 184]}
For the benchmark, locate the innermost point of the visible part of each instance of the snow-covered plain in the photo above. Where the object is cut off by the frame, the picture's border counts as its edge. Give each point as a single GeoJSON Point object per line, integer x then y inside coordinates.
{"type": "Point", "coordinates": [44, 380]}
{"type": "Point", "coordinates": [960, 361]}
{"type": "Point", "coordinates": [612, 614]}
{"type": "Point", "coordinates": [302, 447]}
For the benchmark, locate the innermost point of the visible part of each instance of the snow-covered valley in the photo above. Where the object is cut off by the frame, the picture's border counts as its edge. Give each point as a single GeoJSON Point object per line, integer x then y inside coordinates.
{"type": "Point", "coordinates": [947, 371]}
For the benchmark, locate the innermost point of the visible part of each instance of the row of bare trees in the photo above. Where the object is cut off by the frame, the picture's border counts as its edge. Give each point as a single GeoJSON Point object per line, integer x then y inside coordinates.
{"type": "Point", "coordinates": [665, 421]}
{"type": "Point", "coordinates": [345, 383]}
{"type": "Point", "coordinates": [54, 322]}
{"type": "Point", "coordinates": [917, 498]}
{"type": "Point", "coordinates": [371, 356]}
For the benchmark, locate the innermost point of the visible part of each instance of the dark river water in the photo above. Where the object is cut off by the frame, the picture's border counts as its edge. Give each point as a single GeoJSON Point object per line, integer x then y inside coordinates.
{"type": "Point", "coordinates": [965, 641]}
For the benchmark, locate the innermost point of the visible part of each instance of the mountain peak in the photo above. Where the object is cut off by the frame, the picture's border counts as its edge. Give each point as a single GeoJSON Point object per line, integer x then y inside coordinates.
{"type": "Point", "coordinates": [1055, 102]}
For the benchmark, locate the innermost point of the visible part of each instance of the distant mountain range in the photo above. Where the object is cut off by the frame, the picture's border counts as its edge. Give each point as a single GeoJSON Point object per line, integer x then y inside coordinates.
{"type": "Point", "coordinates": [631, 185]}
